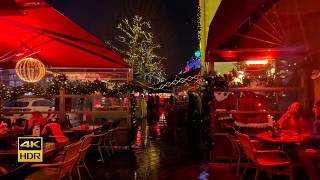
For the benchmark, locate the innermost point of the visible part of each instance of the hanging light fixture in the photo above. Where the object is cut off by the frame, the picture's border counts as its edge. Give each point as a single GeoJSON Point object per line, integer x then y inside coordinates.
{"type": "Point", "coordinates": [257, 62]}
{"type": "Point", "coordinates": [30, 69]}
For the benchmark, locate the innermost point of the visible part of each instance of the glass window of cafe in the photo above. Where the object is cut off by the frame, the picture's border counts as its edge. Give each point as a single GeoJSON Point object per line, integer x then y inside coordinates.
{"type": "Point", "coordinates": [277, 80]}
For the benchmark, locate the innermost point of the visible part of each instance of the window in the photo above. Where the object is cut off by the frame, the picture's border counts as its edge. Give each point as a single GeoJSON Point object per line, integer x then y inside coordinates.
{"type": "Point", "coordinates": [16, 104]}
{"type": "Point", "coordinates": [42, 103]}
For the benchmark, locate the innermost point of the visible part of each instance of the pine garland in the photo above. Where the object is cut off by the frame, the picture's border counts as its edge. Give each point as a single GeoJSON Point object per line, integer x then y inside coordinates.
{"type": "Point", "coordinates": [78, 88]}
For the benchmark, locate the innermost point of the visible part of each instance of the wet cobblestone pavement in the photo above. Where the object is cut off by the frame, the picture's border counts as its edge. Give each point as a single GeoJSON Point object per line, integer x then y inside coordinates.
{"type": "Point", "coordinates": [161, 151]}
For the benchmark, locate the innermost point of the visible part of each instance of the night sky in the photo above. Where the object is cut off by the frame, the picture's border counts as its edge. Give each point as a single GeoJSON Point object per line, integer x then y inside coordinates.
{"type": "Point", "coordinates": [174, 23]}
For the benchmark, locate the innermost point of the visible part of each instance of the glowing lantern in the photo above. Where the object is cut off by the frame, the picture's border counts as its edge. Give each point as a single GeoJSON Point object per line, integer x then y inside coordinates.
{"type": "Point", "coordinates": [30, 69]}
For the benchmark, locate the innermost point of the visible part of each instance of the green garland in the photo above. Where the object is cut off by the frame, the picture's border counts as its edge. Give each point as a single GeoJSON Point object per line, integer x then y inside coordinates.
{"type": "Point", "coordinates": [78, 87]}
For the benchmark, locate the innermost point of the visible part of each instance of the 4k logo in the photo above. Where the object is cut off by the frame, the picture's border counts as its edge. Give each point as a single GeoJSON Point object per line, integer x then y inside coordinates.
{"type": "Point", "coordinates": [30, 149]}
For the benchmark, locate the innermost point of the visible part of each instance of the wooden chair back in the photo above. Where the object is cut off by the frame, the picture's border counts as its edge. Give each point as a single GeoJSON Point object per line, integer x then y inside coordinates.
{"type": "Point", "coordinates": [247, 146]}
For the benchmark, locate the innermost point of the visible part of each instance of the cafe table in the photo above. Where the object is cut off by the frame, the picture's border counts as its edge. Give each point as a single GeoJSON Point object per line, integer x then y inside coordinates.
{"type": "Point", "coordinates": [79, 129]}
{"type": "Point", "coordinates": [282, 137]}
{"type": "Point", "coordinates": [78, 132]}
{"type": "Point", "coordinates": [11, 133]}
{"type": "Point", "coordinates": [9, 137]}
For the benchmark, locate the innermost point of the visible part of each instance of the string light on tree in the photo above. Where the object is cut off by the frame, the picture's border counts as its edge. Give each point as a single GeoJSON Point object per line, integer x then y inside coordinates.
{"type": "Point", "coordinates": [30, 69]}
{"type": "Point", "coordinates": [199, 21]}
{"type": "Point", "coordinates": [139, 49]}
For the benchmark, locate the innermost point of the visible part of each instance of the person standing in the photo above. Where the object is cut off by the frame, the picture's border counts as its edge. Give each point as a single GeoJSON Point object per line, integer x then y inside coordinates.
{"type": "Point", "coordinates": [156, 109]}
{"type": "Point", "coordinates": [191, 107]}
{"type": "Point", "coordinates": [143, 107]}
{"type": "Point", "coordinates": [150, 108]}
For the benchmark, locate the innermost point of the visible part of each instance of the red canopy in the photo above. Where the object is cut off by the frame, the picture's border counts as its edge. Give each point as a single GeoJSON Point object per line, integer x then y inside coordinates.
{"type": "Point", "coordinates": [230, 14]}
{"type": "Point", "coordinates": [54, 39]}
{"type": "Point", "coordinates": [278, 28]}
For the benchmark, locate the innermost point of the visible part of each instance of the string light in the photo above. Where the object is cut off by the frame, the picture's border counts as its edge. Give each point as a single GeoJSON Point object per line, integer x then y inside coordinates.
{"type": "Point", "coordinates": [60, 81]}
{"type": "Point", "coordinates": [199, 21]}
{"type": "Point", "coordinates": [138, 46]}
{"type": "Point", "coordinates": [30, 69]}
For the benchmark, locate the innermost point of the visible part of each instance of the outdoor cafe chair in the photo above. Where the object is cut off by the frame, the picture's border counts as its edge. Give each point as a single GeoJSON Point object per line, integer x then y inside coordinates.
{"type": "Point", "coordinates": [115, 124]}
{"type": "Point", "coordinates": [119, 138]}
{"type": "Point", "coordinates": [84, 147]}
{"type": "Point", "coordinates": [60, 169]}
{"type": "Point", "coordinates": [99, 143]}
{"type": "Point", "coordinates": [238, 153]}
{"type": "Point", "coordinates": [272, 161]}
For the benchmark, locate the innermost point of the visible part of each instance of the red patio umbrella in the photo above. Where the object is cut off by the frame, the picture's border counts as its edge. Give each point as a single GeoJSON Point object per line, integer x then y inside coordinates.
{"type": "Point", "coordinates": [41, 31]}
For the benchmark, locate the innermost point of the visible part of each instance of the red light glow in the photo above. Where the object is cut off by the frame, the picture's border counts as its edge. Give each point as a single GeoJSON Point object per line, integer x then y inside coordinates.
{"type": "Point", "coordinates": [257, 62]}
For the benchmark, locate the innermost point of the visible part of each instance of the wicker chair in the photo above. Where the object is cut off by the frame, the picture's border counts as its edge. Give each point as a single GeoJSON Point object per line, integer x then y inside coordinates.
{"type": "Point", "coordinates": [60, 169]}
{"type": "Point", "coordinates": [272, 161]}
{"type": "Point", "coordinates": [85, 145]}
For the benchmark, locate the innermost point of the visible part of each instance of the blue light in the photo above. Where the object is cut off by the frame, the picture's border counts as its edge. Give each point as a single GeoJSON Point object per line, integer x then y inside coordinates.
{"type": "Point", "coordinates": [28, 94]}
{"type": "Point", "coordinates": [197, 54]}
{"type": "Point", "coordinates": [203, 175]}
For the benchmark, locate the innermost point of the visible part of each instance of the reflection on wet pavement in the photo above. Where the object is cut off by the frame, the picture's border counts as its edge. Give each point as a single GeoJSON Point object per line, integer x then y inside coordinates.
{"type": "Point", "coordinates": [161, 151]}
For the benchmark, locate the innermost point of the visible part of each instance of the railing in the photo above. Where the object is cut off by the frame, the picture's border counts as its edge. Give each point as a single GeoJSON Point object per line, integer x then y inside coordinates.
{"type": "Point", "coordinates": [264, 89]}
{"type": "Point", "coordinates": [249, 112]}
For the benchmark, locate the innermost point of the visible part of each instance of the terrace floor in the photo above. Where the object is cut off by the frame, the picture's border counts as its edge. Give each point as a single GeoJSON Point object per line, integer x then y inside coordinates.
{"type": "Point", "coordinates": [167, 149]}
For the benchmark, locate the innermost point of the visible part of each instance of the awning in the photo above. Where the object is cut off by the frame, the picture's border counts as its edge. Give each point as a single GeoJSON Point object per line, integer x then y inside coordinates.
{"type": "Point", "coordinates": [230, 15]}
{"type": "Point", "coordinates": [277, 28]}
{"type": "Point", "coordinates": [58, 42]}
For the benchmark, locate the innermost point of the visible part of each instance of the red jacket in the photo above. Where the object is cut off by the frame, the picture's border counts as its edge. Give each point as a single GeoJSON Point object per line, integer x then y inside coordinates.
{"type": "Point", "coordinates": [54, 129]}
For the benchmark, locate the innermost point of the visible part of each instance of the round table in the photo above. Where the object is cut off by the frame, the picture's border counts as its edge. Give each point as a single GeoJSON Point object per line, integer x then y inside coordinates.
{"type": "Point", "coordinates": [284, 137]}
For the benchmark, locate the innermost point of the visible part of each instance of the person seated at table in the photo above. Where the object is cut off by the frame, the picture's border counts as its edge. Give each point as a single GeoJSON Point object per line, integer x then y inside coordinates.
{"type": "Point", "coordinates": [52, 132]}
{"type": "Point", "coordinates": [51, 115]}
{"type": "Point", "coordinates": [36, 120]}
{"type": "Point", "coordinates": [294, 120]}
{"type": "Point", "coordinates": [66, 124]}
{"type": "Point", "coordinates": [3, 127]}
{"type": "Point", "coordinates": [309, 150]}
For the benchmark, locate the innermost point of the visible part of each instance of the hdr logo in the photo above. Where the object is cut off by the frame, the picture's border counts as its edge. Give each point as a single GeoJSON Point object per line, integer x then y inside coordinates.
{"type": "Point", "coordinates": [30, 149]}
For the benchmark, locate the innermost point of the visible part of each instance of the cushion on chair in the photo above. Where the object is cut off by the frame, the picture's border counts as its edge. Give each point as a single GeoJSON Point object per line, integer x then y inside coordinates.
{"type": "Point", "coordinates": [270, 159]}
{"type": "Point", "coordinates": [44, 174]}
